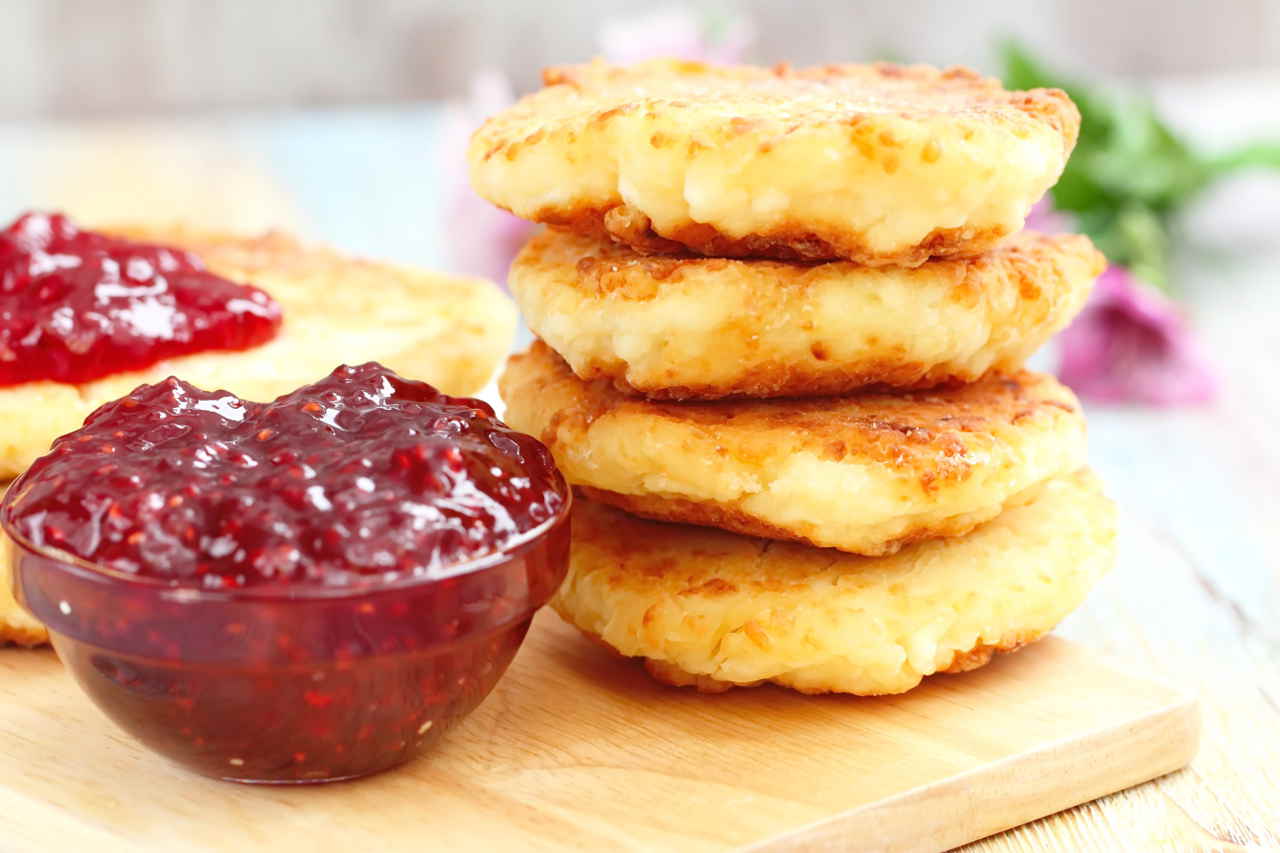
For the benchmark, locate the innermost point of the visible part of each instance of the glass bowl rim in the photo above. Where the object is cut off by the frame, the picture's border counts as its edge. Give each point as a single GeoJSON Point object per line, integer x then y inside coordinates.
{"type": "Point", "coordinates": [93, 572]}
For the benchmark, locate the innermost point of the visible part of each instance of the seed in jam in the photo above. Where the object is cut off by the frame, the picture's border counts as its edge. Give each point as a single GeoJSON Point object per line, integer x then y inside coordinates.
{"type": "Point", "coordinates": [78, 305]}
{"type": "Point", "coordinates": [361, 477]}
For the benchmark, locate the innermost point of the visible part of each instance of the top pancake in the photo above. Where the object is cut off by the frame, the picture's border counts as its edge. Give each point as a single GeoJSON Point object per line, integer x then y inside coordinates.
{"type": "Point", "coordinates": [879, 164]}
{"type": "Point", "coordinates": [447, 330]}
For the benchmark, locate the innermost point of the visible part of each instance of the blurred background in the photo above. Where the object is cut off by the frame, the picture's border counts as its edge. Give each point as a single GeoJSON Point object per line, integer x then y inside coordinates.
{"type": "Point", "coordinates": [300, 113]}
{"type": "Point", "coordinates": [74, 58]}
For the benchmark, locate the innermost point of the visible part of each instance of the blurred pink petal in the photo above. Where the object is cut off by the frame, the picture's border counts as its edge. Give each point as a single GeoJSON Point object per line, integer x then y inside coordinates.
{"type": "Point", "coordinates": [1130, 345]}
{"type": "Point", "coordinates": [481, 239]}
{"type": "Point", "coordinates": [1045, 219]}
{"type": "Point", "coordinates": [674, 31]}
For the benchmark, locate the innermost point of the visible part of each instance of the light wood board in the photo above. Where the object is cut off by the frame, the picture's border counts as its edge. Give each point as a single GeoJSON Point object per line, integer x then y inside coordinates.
{"type": "Point", "coordinates": [578, 750]}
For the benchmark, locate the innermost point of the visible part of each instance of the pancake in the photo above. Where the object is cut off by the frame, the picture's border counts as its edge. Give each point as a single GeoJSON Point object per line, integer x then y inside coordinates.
{"type": "Point", "coordinates": [878, 164]}
{"type": "Point", "coordinates": [865, 473]}
{"type": "Point", "coordinates": [446, 330]}
{"type": "Point", "coordinates": [712, 610]}
{"type": "Point", "coordinates": [705, 328]}
{"type": "Point", "coordinates": [15, 625]}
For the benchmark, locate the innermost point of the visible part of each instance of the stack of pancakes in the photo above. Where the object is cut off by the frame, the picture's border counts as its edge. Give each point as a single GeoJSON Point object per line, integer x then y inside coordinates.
{"type": "Point", "coordinates": [787, 310]}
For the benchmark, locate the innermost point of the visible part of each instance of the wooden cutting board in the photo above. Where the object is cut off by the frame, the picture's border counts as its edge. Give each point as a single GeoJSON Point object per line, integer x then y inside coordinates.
{"type": "Point", "coordinates": [577, 750]}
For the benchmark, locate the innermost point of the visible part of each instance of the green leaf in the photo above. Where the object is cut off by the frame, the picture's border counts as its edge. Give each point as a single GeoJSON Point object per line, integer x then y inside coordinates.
{"type": "Point", "coordinates": [1023, 71]}
{"type": "Point", "coordinates": [1254, 155]}
{"type": "Point", "coordinates": [1131, 172]}
{"type": "Point", "coordinates": [1136, 237]}
{"type": "Point", "coordinates": [1077, 191]}
{"type": "Point", "coordinates": [1145, 238]}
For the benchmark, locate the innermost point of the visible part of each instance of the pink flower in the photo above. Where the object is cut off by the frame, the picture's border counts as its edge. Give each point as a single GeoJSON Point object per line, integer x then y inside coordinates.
{"type": "Point", "coordinates": [674, 31]}
{"type": "Point", "coordinates": [482, 239]}
{"type": "Point", "coordinates": [1130, 345]}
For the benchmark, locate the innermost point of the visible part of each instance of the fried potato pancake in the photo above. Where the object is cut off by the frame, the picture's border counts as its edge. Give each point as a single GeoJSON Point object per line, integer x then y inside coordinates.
{"type": "Point", "coordinates": [447, 330]}
{"type": "Point", "coordinates": [878, 164]}
{"type": "Point", "coordinates": [865, 473]}
{"type": "Point", "coordinates": [15, 625]}
{"type": "Point", "coordinates": [705, 328]}
{"type": "Point", "coordinates": [710, 609]}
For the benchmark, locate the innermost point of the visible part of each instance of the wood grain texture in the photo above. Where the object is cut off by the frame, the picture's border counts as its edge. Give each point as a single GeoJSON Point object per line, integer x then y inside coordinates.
{"type": "Point", "coordinates": [1158, 610]}
{"type": "Point", "coordinates": [577, 749]}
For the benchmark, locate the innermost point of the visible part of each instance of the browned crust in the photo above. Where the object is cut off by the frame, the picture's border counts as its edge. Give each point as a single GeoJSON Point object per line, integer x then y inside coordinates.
{"type": "Point", "coordinates": [788, 241]}
{"type": "Point", "coordinates": [12, 633]}
{"type": "Point", "coordinates": [729, 517]}
{"type": "Point", "coordinates": [665, 672]}
{"type": "Point", "coordinates": [981, 655]}
{"type": "Point", "coordinates": [908, 91]}
{"type": "Point", "coordinates": [1032, 263]}
{"type": "Point", "coordinates": [784, 380]}
{"type": "Point", "coordinates": [898, 86]}
{"type": "Point", "coordinates": [606, 267]}
{"type": "Point", "coordinates": [18, 635]}
{"type": "Point", "coordinates": [928, 432]}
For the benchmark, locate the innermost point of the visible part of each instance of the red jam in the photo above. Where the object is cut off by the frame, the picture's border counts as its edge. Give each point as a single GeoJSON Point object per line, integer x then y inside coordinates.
{"type": "Point", "coordinates": [306, 590]}
{"type": "Point", "coordinates": [76, 305]}
{"type": "Point", "coordinates": [363, 474]}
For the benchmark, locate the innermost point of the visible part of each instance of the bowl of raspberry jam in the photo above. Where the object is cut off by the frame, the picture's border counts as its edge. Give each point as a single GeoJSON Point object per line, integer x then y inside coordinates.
{"type": "Point", "coordinates": [306, 590]}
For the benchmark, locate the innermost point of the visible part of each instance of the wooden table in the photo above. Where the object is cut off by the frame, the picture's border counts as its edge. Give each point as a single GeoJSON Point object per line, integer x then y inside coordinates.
{"type": "Point", "coordinates": [1194, 600]}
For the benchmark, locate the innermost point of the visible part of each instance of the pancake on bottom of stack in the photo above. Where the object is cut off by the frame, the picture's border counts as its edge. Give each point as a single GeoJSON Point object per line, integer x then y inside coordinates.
{"type": "Point", "coordinates": [876, 538]}
{"type": "Point", "coordinates": [759, 303]}
{"type": "Point", "coordinates": [712, 609]}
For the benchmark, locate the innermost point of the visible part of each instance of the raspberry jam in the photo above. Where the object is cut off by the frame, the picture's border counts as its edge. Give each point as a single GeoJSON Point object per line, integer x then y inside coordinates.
{"type": "Point", "coordinates": [76, 305]}
{"type": "Point", "coordinates": [363, 476]}
{"type": "Point", "coordinates": [305, 590]}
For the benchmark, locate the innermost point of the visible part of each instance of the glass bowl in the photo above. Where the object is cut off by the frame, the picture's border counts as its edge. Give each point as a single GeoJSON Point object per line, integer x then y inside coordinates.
{"type": "Point", "coordinates": [291, 684]}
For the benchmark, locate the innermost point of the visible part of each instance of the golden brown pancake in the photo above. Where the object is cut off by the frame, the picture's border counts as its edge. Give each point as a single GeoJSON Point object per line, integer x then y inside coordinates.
{"type": "Point", "coordinates": [446, 330]}
{"type": "Point", "coordinates": [865, 473]}
{"type": "Point", "coordinates": [15, 625]}
{"type": "Point", "coordinates": [688, 327]}
{"type": "Point", "coordinates": [878, 164]}
{"type": "Point", "coordinates": [710, 609]}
